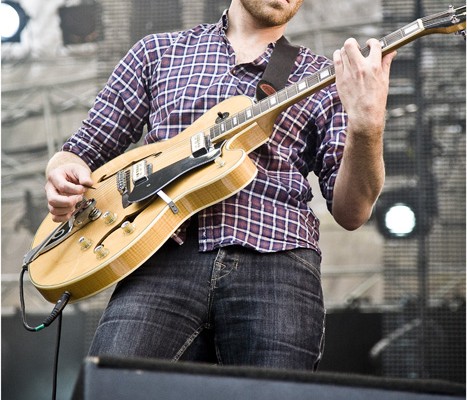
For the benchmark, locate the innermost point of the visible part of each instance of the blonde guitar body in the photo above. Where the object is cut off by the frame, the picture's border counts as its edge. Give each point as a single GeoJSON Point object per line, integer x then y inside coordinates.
{"type": "Point", "coordinates": [143, 196]}
{"type": "Point", "coordinates": [71, 267]}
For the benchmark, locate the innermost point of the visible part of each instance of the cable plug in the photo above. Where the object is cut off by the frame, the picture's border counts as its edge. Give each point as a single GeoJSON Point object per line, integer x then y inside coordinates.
{"type": "Point", "coordinates": [59, 306]}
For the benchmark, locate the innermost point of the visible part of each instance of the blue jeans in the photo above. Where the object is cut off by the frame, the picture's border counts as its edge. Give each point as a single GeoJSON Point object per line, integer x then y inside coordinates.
{"type": "Point", "coordinates": [233, 306]}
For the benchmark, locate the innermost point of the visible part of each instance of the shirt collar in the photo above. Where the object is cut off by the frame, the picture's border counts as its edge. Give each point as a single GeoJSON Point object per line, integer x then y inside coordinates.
{"type": "Point", "coordinates": [223, 23]}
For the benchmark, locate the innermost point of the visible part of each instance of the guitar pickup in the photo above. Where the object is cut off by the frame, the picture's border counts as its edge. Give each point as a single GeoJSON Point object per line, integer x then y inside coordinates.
{"type": "Point", "coordinates": [200, 144]}
{"type": "Point", "coordinates": [140, 171]}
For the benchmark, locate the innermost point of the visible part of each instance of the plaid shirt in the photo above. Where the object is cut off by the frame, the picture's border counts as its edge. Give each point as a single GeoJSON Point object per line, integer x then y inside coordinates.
{"type": "Point", "coordinates": [166, 81]}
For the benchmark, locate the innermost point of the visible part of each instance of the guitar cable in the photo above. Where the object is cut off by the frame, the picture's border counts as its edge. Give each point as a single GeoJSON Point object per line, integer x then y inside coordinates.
{"type": "Point", "coordinates": [56, 313]}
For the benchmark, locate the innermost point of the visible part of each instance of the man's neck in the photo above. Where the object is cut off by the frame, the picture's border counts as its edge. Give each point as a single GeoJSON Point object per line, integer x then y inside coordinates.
{"type": "Point", "coordinates": [248, 39]}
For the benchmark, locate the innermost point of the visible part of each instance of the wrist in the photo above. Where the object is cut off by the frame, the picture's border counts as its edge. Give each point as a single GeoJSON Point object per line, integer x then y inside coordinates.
{"type": "Point", "coordinates": [62, 158]}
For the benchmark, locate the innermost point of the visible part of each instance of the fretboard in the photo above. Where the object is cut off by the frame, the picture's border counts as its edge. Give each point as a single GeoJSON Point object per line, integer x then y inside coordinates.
{"type": "Point", "coordinates": [284, 98]}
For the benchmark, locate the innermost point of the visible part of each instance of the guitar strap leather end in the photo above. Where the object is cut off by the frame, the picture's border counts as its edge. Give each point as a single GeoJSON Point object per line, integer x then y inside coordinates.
{"type": "Point", "coordinates": [278, 69]}
{"type": "Point", "coordinates": [266, 88]}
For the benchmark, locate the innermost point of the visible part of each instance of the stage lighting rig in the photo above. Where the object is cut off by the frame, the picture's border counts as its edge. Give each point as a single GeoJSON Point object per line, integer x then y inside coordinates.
{"type": "Point", "coordinates": [13, 20]}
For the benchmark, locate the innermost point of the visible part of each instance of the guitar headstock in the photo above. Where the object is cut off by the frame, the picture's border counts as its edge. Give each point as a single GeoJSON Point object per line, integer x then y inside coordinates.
{"type": "Point", "coordinates": [450, 21]}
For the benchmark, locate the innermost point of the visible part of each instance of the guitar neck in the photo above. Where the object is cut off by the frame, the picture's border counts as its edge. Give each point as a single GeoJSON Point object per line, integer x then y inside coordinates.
{"type": "Point", "coordinates": [448, 21]}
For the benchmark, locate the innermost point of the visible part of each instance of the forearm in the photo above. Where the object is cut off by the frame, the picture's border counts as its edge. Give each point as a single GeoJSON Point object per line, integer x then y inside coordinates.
{"type": "Point", "coordinates": [360, 178]}
{"type": "Point", "coordinates": [363, 85]}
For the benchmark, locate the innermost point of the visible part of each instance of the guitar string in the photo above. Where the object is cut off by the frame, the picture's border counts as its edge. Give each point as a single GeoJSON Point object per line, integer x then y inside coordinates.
{"type": "Point", "coordinates": [441, 18]}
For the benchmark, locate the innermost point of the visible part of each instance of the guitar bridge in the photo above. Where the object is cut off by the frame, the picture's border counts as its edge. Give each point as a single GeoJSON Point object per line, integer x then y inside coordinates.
{"type": "Point", "coordinates": [123, 186]}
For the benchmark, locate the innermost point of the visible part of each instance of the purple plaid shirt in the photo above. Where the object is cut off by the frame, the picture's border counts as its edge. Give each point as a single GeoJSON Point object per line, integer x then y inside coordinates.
{"type": "Point", "coordinates": [166, 81]}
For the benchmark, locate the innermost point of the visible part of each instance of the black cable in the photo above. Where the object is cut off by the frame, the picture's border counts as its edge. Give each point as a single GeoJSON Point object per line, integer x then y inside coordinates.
{"type": "Point", "coordinates": [57, 351]}
{"type": "Point", "coordinates": [21, 299]}
{"type": "Point", "coordinates": [56, 313]}
{"type": "Point", "coordinates": [58, 308]}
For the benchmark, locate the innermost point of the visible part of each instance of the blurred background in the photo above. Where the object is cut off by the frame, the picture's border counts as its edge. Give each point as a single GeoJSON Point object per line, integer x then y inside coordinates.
{"type": "Point", "coordinates": [394, 289]}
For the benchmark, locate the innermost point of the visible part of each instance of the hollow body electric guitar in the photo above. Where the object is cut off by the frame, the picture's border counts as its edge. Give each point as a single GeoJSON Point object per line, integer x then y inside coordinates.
{"type": "Point", "coordinates": [143, 196]}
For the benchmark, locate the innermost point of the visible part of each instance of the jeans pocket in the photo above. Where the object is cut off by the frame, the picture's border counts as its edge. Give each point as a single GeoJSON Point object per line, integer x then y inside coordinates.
{"type": "Point", "coordinates": [308, 259]}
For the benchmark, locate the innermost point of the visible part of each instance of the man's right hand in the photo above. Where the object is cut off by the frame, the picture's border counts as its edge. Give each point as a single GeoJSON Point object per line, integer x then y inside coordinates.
{"type": "Point", "coordinates": [68, 177]}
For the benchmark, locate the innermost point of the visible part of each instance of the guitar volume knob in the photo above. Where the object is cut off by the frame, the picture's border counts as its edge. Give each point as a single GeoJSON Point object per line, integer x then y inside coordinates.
{"type": "Point", "coordinates": [85, 243]}
{"type": "Point", "coordinates": [109, 217]}
{"type": "Point", "coordinates": [101, 252]}
{"type": "Point", "coordinates": [128, 227]}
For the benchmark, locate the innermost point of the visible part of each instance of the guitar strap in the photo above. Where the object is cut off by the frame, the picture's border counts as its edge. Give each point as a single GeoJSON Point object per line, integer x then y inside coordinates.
{"type": "Point", "coordinates": [278, 69]}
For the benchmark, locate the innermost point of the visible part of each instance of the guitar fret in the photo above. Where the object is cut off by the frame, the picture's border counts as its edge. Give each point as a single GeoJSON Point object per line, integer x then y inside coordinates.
{"type": "Point", "coordinates": [272, 100]}
{"type": "Point", "coordinates": [410, 28]}
{"type": "Point", "coordinates": [259, 107]}
{"type": "Point", "coordinates": [301, 85]}
{"type": "Point", "coordinates": [242, 117]}
{"type": "Point", "coordinates": [291, 91]}
{"type": "Point", "coordinates": [214, 132]}
{"type": "Point", "coordinates": [394, 37]}
{"type": "Point", "coordinates": [264, 105]}
{"type": "Point", "coordinates": [313, 80]}
{"type": "Point", "coordinates": [324, 74]}
{"type": "Point", "coordinates": [229, 124]}
{"type": "Point", "coordinates": [256, 109]}
{"type": "Point", "coordinates": [282, 96]}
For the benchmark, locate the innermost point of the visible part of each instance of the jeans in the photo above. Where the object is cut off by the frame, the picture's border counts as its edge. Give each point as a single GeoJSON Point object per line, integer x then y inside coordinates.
{"type": "Point", "coordinates": [233, 306]}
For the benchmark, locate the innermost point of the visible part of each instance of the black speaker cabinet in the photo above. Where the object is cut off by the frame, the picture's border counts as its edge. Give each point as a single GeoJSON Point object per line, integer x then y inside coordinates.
{"type": "Point", "coordinates": [115, 379]}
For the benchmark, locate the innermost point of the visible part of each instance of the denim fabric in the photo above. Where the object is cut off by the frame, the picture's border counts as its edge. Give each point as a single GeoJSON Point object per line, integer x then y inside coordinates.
{"type": "Point", "coordinates": [232, 306]}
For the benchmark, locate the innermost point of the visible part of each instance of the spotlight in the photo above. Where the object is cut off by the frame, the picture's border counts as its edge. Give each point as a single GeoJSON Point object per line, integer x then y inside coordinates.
{"type": "Point", "coordinates": [13, 19]}
{"type": "Point", "coordinates": [399, 214]}
{"type": "Point", "coordinates": [400, 220]}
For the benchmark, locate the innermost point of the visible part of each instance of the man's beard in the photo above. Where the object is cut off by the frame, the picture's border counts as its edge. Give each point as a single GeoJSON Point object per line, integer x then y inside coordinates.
{"type": "Point", "coordinates": [261, 12]}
